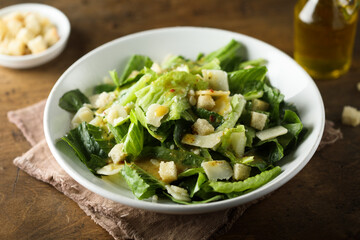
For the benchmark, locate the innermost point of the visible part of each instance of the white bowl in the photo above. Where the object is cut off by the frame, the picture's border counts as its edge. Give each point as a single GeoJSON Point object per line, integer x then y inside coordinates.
{"type": "Point", "coordinates": [32, 60]}
{"type": "Point", "coordinates": [88, 71]}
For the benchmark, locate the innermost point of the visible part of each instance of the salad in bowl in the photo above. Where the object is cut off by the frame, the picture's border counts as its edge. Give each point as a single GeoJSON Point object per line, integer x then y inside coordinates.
{"type": "Point", "coordinates": [189, 130]}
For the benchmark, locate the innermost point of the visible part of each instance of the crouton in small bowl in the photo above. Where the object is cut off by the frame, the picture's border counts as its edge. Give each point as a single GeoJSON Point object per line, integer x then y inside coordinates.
{"type": "Point", "coordinates": [31, 34]}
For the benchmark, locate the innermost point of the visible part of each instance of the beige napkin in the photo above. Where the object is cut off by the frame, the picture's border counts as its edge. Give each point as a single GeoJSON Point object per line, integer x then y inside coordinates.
{"type": "Point", "coordinates": [121, 221]}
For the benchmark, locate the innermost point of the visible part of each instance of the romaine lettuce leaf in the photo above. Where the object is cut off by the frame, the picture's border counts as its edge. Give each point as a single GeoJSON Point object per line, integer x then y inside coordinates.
{"type": "Point", "coordinates": [173, 61]}
{"type": "Point", "coordinates": [89, 145]}
{"type": "Point", "coordinates": [129, 95]}
{"type": "Point", "coordinates": [136, 63]}
{"type": "Point", "coordinates": [292, 123]}
{"type": "Point", "coordinates": [159, 135]}
{"type": "Point", "coordinates": [73, 100]}
{"type": "Point", "coordinates": [191, 172]}
{"type": "Point", "coordinates": [134, 140]}
{"type": "Point", "coordinates": [237, 105]}
{"type": "Point", "coordinates": [228, 147]}
{"type": "Point", "coordinates": [274, 98]}
{"type": "Point", "coordinates": [253, 63]}
{"type": "Point", "coordinates": [142, 184]}
{"type": "Point", "coordinates": [270, 149]}
{"type": "Point", "coordinates": [248, 82]}
{"type": "Point", "coordinates": [193, 183]}
{"type": "Point", "coordinates": [248, 184]}
{"type": "Point", "coordinates": [183, 157]}
{"type": "Point", "coordinates": [103, 88]}
{"type": "Point", "coordinates": [119, 131]}
{"type": "Point", "coordinates": [93, 140]}
{"type": "Point", "coordinates": [170, 90]}
{"type": "Point", "coordinates": [229, 56]}
{"type": "Point", "coordinates": [192, 179]}
{"type": "Point", "coordinates": [181, 128]}
{"type": "Point", "coordinates": [213, 118]}
{"type": "Point", "coordinates": [250, 135]}
{"type": "Point", "coordinates": [196, 67]}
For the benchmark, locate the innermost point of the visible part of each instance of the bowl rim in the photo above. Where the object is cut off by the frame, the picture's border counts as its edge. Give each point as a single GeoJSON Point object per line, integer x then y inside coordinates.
{"type": "Point", "coordinates": [65, 24]}
{"type": "Point", "coordinates": [177, 208]}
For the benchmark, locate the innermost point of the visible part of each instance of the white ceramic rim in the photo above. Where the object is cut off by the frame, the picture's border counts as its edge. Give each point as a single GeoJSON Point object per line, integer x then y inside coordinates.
{"type": "Point", "coordinates": [23, 7]}
{"type": "Point", "coordinates": [181, 209]}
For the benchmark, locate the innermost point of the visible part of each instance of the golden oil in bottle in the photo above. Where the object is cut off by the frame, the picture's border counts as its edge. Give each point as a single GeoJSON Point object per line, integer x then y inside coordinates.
{"type": "Point", "coordinates": [324, 36]}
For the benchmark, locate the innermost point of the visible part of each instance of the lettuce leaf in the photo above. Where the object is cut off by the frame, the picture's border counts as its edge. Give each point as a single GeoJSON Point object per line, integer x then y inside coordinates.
{"type": "Point", "coordinates": [135, 63]}
{"type": "Point", "coordinates": [181, 128]}
{"type": "Point", "coordinates": [250, 135]}
{"type": "Point", "coordinates": [103, 88]}
{"type": "Point", "coordinates": [191, 172]}
{"type": "Point", "coordinates": [134, 140]}
{"type": "Point", "coordinates": [248, 82]}
{"type": "Point", "coordinates": [193, 183]}
{"type": "Point", "coordinates": [248, 184]}
{"type": "Point", "coordinates": [274, 98]}
{"type": "Point", "coordinates": [183, 157]}
{"type": "Point", "coordinates": [142, 184]}
{"type": "Point", "coordinates": [192, 180]}
{"type": "Point", "coordinates": [227, 145]}
{"type": "Point", "coordinates": [170, 90]}
{"type": "Point", "coordinates": [89, 145]}
{"type": "Point", "coordinates": [195, 67]}
{"type": "Point", "coordinates": [173, 61]}
{"type": "Point", "coordinates": [73, 100]}
{"type": "Point", "coordinates": [229, 56]}
{"type": "Point", "coordinates": [159, 135]}
{"type": "Point", "coordinates": [270, 149]}
{"type": "Point", "coordinates": [119, 131]}
{"type": "Point", "coordinates": [237, 104]}
{"type": "Point", "coordinates": [93, 141]}
{"type": "Point", "coordinates": [292, 123]}
{"type": "Point", "coordinates": [253, 63]}
{"type": "Point", "coordinates": [129, 95]}
{"type": "Point", "coordinates": [213, 118]}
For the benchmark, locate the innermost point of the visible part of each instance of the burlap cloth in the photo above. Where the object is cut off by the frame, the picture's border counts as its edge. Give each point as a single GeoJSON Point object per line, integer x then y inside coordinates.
{"type": "Point", "coordinates": [121, 221]}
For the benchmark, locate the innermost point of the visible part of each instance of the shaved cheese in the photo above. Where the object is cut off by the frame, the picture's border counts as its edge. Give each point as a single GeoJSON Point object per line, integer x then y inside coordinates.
{"type": "Point", "coordinates": [241, 171]}
{"type": "Point", "coordinates": [155, 113]}
{"type": "Point", "coordinates": [271, 133]}
{"type": "Point", "coordinates": [217, 79]}
{"type": "Point", "coordinates": [238, 142]}
{"type": "Point", "coordinates": [116, 153]}
{"type": "Point", "coordinates": [258, 120]}
{"type": "Point", "coordinates": [219, 169]}
{"type": "Point", "coordinates": [207, 141]}
{"type": "Point", "coordinates": [115, 114]}
{"type": "Point", "coordinates": [84, 114]}
{"type": "Point", "coordinates": [178, 193]}
{"type": "Point", "coordinates": [110, 169]}
{"type": "Point", "coordinates": [212, 93]}
{"type": "Point", "coordinates": [222, 105]}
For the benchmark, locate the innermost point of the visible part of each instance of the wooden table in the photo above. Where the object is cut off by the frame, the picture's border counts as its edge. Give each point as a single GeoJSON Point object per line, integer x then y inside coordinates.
{"type": "Point", "coordinates": [321, 202]}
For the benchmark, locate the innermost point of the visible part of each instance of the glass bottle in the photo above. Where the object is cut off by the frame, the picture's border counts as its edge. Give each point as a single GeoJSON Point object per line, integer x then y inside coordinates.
{"type": "Point", "coordinates": [324, 36]}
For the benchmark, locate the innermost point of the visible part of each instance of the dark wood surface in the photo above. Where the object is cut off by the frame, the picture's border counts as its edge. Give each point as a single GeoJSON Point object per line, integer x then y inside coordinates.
{"type": "Point", "coordinates": [321, 202]}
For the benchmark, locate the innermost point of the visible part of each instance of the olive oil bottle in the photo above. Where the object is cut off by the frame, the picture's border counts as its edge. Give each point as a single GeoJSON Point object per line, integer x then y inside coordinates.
{"type": "Point", "coordinates": [324, 36]}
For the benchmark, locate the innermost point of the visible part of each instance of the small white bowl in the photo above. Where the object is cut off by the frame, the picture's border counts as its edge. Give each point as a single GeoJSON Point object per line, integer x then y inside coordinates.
{"type": "Point", "coordinates": [283, 72]}
{"type": "Point", "coordinates": [32, 60]}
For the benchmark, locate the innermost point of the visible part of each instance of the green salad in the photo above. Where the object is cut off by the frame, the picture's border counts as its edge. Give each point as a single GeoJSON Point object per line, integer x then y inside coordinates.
{"type": "Point", "coordinates": [193, 131]}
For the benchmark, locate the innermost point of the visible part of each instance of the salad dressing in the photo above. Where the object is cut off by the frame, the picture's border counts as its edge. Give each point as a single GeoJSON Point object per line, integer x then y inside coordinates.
{"type": "Point", "coordinates": [149, 167]}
